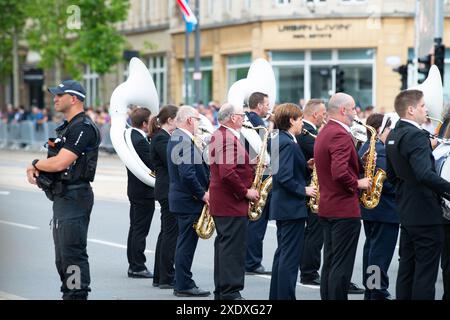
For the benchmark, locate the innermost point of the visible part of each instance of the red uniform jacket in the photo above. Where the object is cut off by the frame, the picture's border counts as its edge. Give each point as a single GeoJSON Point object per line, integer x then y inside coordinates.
{"type": "Point", "coordinates": [337, 166]}
{"type": "Point", "coordinates": [231, 175]}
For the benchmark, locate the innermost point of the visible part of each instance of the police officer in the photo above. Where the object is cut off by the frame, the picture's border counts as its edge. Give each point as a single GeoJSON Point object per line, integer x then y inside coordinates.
{"type": "Point", "coordinates": [65, 177]}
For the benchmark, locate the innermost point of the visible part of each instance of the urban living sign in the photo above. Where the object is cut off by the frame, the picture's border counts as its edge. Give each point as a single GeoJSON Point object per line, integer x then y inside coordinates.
{"type": "Point", "coordinates": [314, 31]}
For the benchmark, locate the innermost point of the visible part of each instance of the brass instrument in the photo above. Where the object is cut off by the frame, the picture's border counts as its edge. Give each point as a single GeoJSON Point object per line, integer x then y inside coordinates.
{"type": "Point", "coordinates": [205, 224]}
{"type": "Point", "coordinates": [313, 202]}
{"type": "Point", "coordinates": [255, 209]}
{"type": "Point", "coordinates": [370, 198]}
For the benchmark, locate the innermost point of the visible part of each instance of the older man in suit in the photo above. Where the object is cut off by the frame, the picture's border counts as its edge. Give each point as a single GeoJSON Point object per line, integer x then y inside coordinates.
{"type": "Point", "coordinates": [338, 168]}
{"type": "Point", "coordinates": [189, 179]}
{"type": "Point", "coordinates": [411, 167]}
{"type": "Point", "coordinates": [142, 199]}
{"type": "Point", "coordinates": [230, 187]}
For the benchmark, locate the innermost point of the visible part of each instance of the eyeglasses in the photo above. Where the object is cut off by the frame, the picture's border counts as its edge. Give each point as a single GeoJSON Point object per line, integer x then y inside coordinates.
{"type": "Point", "coordinates": [196, 118]}
{"type": "Point", "coordinates": [240, 114]}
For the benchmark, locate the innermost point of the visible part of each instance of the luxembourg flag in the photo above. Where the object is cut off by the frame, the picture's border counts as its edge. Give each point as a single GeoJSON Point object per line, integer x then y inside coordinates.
{"type": "Point", "coordinates": [188, 15]}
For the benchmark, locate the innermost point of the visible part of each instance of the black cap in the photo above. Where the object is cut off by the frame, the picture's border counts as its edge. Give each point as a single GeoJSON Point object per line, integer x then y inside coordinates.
{"type": "Point", "coordinates": [71, 87]}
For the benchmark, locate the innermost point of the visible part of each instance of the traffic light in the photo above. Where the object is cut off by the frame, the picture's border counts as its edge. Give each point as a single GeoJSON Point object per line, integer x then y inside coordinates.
{"type": "Point", "coordinates": [439, 57]}
{"type": "Point", "coordinates": [340, 80]}
{"type": "Point", "coordinates": [424, 67]}
{"type": "Point", "coordinates": [403, 71]}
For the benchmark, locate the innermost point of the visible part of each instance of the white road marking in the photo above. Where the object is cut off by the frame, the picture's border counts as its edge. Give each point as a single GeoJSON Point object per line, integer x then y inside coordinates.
{"type": "Point", "coordinates": [113, 244]}
{"type": "Point", "coordinates": [266, 276]}
{"type": "Point", "coordinates": [4, 193]}
{"type": "Point", "coordinates": [9, 296]}
{"type": "Point", "coordinates": [19, 225]}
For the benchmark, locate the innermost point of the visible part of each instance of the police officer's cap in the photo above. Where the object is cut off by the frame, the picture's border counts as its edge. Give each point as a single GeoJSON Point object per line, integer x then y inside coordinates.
{"type": "Point", "coordinates": [71, 87]}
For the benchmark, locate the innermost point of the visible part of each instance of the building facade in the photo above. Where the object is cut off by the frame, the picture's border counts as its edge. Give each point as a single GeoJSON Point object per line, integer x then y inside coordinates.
{"type": "Point", "coordinates": [314, 46]}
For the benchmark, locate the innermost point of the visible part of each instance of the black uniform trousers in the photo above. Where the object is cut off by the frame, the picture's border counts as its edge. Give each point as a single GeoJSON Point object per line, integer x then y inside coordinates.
{"type": "Point", "coordinates": [229, 257]}
{"type": "Point", "coordinates": [340, 244]}
{"type": "Point", "coordinates": [379, 248]}
{"type": "Point", "coordinates": [445, 262]}
{"type": "Point", "coordinates": [256, 231]}
{"type": "Point", "coordinates": [141, 214]}
{"type": "Point", "coordinates": [420, 251]}
{"type": "Point", "coordinates": [164, 271]}
{"type": "Point", "coordinates": [71, 215]}
{"type": "Point", "coordinates": [286, 262]}
{"type": "Point", "coordinates": [312, 249]}
{"type": "Point", "coordinates": [184, 253]}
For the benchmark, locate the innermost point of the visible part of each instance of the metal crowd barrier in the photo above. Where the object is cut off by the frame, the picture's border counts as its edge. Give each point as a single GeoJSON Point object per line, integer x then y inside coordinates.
{"type": "Point", "coordinates": [29, 136]}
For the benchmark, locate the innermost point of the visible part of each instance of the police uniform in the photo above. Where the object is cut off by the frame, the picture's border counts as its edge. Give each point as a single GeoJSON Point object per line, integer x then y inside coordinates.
{"type": "Point", "coordinates": [73, 199]}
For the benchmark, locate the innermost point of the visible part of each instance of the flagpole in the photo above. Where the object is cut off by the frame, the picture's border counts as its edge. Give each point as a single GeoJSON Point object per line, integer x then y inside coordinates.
{"type": "Point", "coordinates": [186, 68]}
{"type": "Point", "coordinates": [197, 81]}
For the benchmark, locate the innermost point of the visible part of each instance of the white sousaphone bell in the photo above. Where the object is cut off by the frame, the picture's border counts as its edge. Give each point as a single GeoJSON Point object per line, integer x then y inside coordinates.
{"type": "Point", "coordinates": [260, 78]}
{"type": "Point", "coordinates": [138, 89]}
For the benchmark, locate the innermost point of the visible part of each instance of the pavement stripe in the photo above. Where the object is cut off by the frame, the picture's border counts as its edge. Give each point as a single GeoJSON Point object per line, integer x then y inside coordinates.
{"type": "Point", "coordinates": [4, 193]}
{"type": "Point", "coordinates": [9, 296]}
{"type": "Point", "coordinates": [19, 225]}
{"type": "Point", "coordinates": [113, 244]}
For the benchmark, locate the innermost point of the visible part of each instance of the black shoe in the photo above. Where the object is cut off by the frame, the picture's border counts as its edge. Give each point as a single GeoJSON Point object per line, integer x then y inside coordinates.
{"type": "Point", "coordinates": [166, 286]}
{"type": "Point", "coordinates": [155, 284]}
{"type": "Point", "coordinates": [313, 282]}
{"type": "Point", "coordinates": [354, 289]}
{"type": "Point", "coordinates": [259, 270]}
{"type": "Point", "coordinates": [193, 292]}
{"type": "Point", "coordinates": [140, 274]}
{"type": "Point", "coordinates": [239, 298]}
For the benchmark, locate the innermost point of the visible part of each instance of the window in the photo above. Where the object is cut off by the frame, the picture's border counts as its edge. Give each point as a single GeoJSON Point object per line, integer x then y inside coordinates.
{"type": "Point", "coordinates": [91, 83]}
{"type": "Point", "coordinates": [237, 67]}
{"type": "Point", "coordinates": [247, 4]}
{"type": "Point", "coordinates": [352, 1]}
{"type": "Point", "coordinates": [227, 6]}
{"type": "Point", "coordinates": [205, 82]}
{"type": "Point", "coordinates": [283, 1]}
{"type": "Point", "coordinates": [157, 67]}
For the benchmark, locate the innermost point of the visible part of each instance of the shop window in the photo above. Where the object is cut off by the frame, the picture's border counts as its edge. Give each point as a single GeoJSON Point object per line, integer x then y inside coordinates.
{"type": "Point", "coordinates": [205, 82]}
{"type": "Point", "coordinates": [290, 83]}
{"type": "Point", "coordinates": [237, 67]}
{"type": "Point", "coordinates": [356, 54]}
{"type": "Point", "coordinates": [157, 67]}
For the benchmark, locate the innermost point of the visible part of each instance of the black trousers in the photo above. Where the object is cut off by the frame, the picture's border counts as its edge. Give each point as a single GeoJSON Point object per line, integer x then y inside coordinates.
{"type": "Point", "coordinates": [445, 262]}
{"type": "Point", "coordinates": [420, 251]}
{"type": "Point", "coordinates": [184, 253]}
{"type": "Point", "coordinates": [71, 215]}
{"type": "Point", "coordinates": [141, 214]}
{"type": "Point", "coordinates": [312, 249]}
{"type": "Point", "coordinates": [229, 257]}
{"type": "Point", "coordinates": [340, 244]}
{"type": "Point", "coordinates": [164, 271]}
{"type": "Point", "coordinates": [256, 231]}
{"type": "Point", "coordinates": [379, 248]}
{"type": "Point", "coordinates": [290, 238]}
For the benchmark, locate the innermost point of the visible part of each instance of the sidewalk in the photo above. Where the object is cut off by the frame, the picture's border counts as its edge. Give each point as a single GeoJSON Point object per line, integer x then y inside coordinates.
{"type": "Point", "coordinates": [110, 180]}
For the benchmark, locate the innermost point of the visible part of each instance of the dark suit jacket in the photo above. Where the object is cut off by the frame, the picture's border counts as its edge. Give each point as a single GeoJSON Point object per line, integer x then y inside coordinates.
{"type": "Point", "coordinates": [411, 167]}
{"type": "Point", "coordinates": [158, 156]}
{"type": "Point", "coordinates": [188, 173]}
{"type": "Point", "coordinates": [306, 142]}
{"type": "Point", "coordinates": [386, 210]}
{"type": "Point", "coordinates": [136, 189]}
{"type": "Point", "coordinates": [231, 175]}
{"type": "Point", "coordinates": [288, 200]}
{"type": "Point", "coordinates": [337, 165]}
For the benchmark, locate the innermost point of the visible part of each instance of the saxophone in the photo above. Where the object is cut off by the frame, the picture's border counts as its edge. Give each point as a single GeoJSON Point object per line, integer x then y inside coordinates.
{"type": "Point", "coordinates": [255, 208]}
{"type": "Point", "coordinates": [205, 224]}
{"type": "Point", "coordinates": [313, 202]}
{"type": "Point", "coordinates": [370, 198]}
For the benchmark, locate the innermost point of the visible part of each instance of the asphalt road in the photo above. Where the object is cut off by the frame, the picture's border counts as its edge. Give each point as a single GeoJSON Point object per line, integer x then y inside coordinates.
{"type": "Point", "coordinates": [26, 245]}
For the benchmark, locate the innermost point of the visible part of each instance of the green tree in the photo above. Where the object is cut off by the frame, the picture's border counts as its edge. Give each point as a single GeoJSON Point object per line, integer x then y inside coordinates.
{"type": "Point", "coordinates": [13, 17]}
{"type": "Point", "coordinates": [69, 36]}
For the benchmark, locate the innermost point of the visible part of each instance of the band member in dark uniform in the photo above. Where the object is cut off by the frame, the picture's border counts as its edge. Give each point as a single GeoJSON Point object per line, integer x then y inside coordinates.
{"type": "Point", "coordinates": [288, 205]}
{"type": "Point", "coordinates": [381, 224]}
{"type": "Point", "coordinates": [188, 193]}
{"type": "Point", "coordinates": [313, 118]}
{"type": "Point", "coordinates": [411, 167]}
{"type": "Point", "coordinates": [259, 106]}
{"type": "Point", "coordinates": [338, 169]}
{"type": "Point", "coordinates": [141, 196]}
{"type": "Point", "coordinates": [160, 129]}
{"type": "Point", "coordinates": [230, 188]}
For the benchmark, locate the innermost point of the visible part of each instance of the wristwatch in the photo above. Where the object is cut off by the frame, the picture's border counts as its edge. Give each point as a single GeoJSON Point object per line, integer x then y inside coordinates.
{"type": "Point", "coordinates": [33, 163]}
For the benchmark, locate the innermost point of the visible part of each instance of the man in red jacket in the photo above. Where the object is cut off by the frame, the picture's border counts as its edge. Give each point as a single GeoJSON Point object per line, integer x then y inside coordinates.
{"type": "Point", "coordinates": [230, 191]}
{"type": "Point", "coordinates": [338, 167]}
